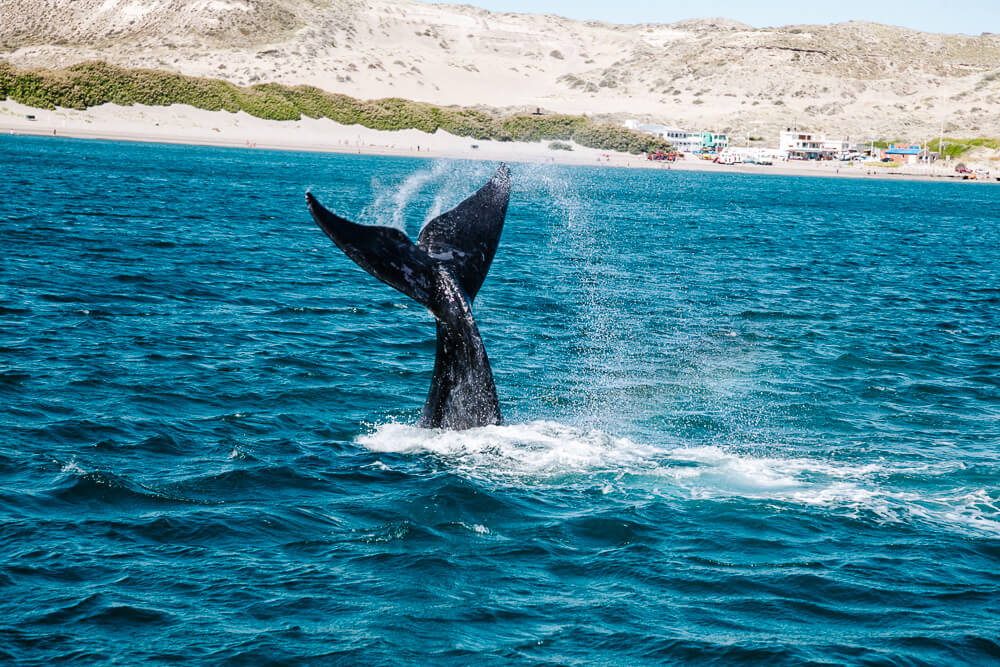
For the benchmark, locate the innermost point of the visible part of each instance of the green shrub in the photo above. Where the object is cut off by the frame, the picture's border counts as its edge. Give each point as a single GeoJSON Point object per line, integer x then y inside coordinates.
{"type": "Point", "coordinates": [94, 83]}
{"type": "Point", "coordinates": [613, 137]}
{"type": "Point", "coordinates": [560, 146]}
{"type": "Point", "coordinates": [467, 123]}
{"type": "Point", "coordinates": [539, 128]}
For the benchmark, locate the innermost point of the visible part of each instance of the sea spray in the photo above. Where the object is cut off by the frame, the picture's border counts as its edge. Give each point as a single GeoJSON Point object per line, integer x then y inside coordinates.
{"type": "Point", "coordinates": [396, 203]}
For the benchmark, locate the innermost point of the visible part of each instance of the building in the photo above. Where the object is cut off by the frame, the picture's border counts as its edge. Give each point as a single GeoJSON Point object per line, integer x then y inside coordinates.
{"type": "Point", "coordinates": [906, 154]}
{"type": "Point", "coordinates": [801, 145]}
{"type": "Point", "coordinates": [682, 140]}
{"type": "Point", "coordinates": [844, 150]}
{"type": "Point", "coordinates": [835, 145]}
{"type": "Point", "coordinates": [713, 143]}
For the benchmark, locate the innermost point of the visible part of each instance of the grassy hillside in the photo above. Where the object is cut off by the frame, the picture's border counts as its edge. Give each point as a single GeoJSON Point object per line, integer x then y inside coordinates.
{"type": "Point", "coordinates": [959, 147]}
{"type": "Point", "coordinates": [93, 83]}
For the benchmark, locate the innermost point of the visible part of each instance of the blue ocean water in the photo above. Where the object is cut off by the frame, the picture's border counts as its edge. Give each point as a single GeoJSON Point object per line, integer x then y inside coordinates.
{"type": "Point", "coordinates": [749, 419]}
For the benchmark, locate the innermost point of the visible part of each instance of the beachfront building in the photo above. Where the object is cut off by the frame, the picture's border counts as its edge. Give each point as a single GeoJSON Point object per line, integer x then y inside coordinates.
{"type": "Point", "coordinates": [839, 149]}
{"type": "Point", "coordinates": [713, 143]}
{"type": "Point", "coordinates": [681, 140]}
{"type": "Point", "coordinates": [844, 149]}
{"type": "Point", "coordinates": [801, 145]}
{"type": "Point", "coordinates": [907, 154]}
{"type": "Point", "coordinates": [685, 141]}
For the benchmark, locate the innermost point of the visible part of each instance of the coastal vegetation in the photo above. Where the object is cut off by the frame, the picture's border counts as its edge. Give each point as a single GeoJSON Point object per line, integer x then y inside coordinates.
{"type": "Point", "coordinates": [94, 83]}
{"type": "Point", "coordinates": [958, 147]}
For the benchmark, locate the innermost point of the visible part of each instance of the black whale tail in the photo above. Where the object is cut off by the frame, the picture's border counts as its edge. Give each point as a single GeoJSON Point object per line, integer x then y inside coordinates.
{"type": "Point", "coordinates": [443, 271]}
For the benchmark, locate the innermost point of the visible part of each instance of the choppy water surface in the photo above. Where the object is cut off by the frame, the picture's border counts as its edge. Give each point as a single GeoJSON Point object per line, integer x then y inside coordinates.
{"type": "Point", "coordinates": [749, 419]}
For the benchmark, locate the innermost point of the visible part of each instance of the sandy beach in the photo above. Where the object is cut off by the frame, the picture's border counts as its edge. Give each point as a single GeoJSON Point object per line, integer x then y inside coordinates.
{"type": "Point", "coordinates": [184, 124]}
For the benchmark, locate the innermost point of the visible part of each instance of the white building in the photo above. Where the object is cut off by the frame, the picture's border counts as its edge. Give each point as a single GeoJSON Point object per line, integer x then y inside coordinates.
{"type": "Point", "coordinates": [801, 145]}
{"type": "Point", "coordinates": [836, 146]}
{"type": "Point", "coordinates": [681, 140]}
{"type": "Point", "coordinates": [844, 150]}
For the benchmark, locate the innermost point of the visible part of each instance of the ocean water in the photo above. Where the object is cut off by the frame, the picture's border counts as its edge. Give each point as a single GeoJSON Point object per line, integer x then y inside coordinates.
{"type": "Point", "coordinates": [749, 419]}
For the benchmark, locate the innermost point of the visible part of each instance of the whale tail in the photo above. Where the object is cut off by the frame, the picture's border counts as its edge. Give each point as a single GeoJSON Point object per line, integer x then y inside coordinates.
{"type": "Point", "coordinates": [443, 271]}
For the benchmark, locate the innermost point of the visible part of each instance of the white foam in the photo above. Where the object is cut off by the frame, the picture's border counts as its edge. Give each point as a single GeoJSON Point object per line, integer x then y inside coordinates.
{"type": "Point", "coordinates": [476, 528]}
{"type": "Point", "coordinates": [73, 468]}
{"type": "Point", "coordinates": [536, 450]}
{"type": "Point", "coordinates": [546, 453]}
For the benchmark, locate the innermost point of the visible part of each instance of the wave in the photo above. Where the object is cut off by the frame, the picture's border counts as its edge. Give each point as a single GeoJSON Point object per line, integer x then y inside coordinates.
{"type": "Point", "coordinates": [13, 378]}
{"type": "Point", "coordinates": [316, 310]}
{"type": "Point", "coordinates": [95, 608]}
{"type": "Point", "coordinates": [549, 453]}
{"type": "Point", "coordinates": [77, 485]}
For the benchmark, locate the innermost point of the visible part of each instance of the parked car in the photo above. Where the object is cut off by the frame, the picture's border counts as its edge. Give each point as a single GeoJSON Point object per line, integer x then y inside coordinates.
{"type": "Point", "coordinates": [963, 170]}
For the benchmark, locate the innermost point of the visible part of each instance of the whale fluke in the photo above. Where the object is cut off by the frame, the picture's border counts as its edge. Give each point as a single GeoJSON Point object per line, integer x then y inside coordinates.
{"type": "Point", "coordinates": [443, 271]}
{"type": "Point", "coordinates": [465, 238]}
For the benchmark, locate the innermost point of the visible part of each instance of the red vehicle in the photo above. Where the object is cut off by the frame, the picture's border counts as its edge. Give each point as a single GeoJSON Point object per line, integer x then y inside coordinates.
{"type": "Point", "coordinates": [660, 155]}
{"type": "Point", "coordinates": [963, 170]}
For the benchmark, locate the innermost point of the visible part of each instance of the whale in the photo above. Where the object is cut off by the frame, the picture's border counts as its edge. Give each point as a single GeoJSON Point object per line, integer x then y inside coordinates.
{"type": "Point", "coordinates": [443, 271]}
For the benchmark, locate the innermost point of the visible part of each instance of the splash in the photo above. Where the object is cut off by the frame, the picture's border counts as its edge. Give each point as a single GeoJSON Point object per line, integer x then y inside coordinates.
{"type": "Point", "coordinates": [579, 242]}
{"type": "Point", "coordinates": [538, 450]}
{"type": "Point", "coordinates": [548, 453]}
{"type": "Point", "coordinates": [390, 206]}
{"type": "Point", "coordinates": [449, 185]}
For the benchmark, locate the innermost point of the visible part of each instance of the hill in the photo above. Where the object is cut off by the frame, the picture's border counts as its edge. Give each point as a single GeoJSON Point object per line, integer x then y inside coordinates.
{"type": "Point", "coordinates": [857, 79]}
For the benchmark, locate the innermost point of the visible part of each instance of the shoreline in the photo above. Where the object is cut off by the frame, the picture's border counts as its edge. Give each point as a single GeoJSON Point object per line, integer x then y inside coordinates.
{"type": "Point", "coordinates": [182, 124]}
